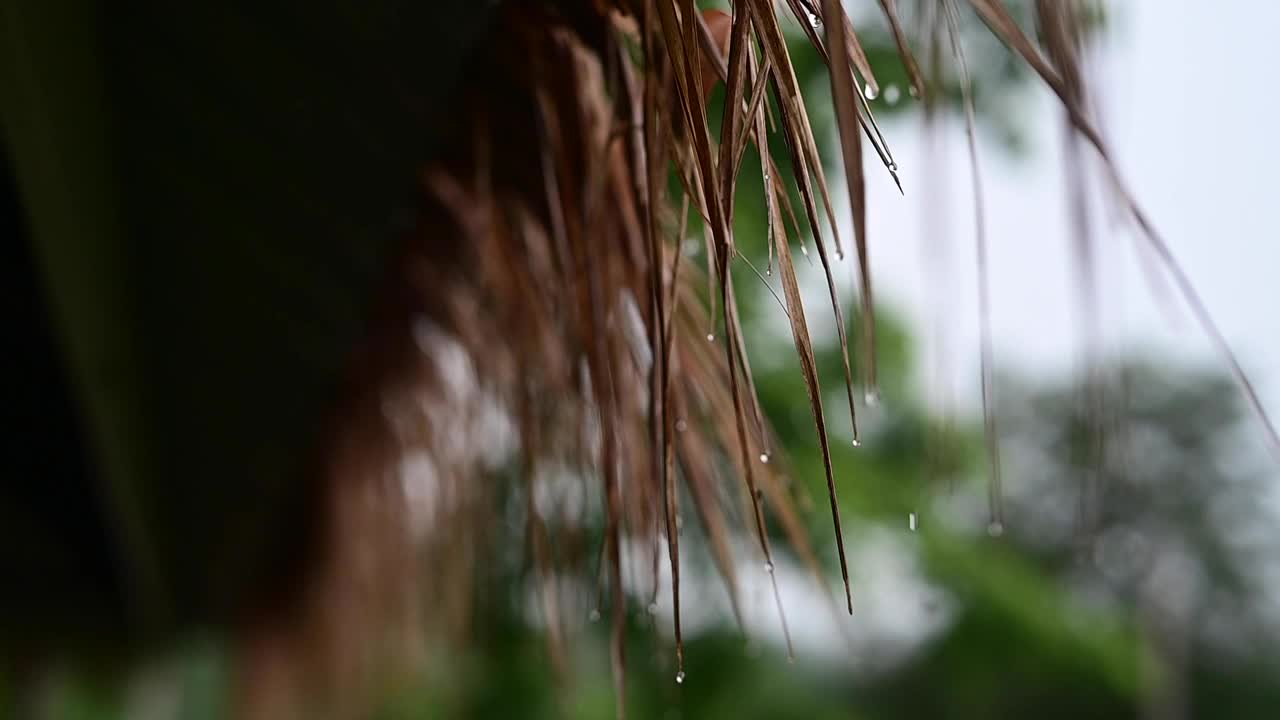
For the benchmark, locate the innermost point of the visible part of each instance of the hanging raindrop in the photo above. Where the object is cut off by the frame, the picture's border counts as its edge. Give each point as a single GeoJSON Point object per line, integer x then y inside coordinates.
{"type": "Point", "coordinates": [869, 91]}
{"type": "Point", "coordinates": [913, 522]}
{"type": "Point", "coordinates": [594, 616]}
{"type": "Point", "coordinates": [680, 678]}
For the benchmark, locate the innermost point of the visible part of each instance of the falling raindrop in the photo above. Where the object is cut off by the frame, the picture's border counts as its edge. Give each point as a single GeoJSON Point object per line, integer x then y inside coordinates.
{"type": "Point", "coordinates": [653, 608]}
{"type": "Point", "coordinates": [872, 397]}
{"type": "Point", "coordinates": [892, 94]}
{"type": "Point", "coordinates": [680, 678]}
{"type": "Point", "coordinates": [594, 616]}
{"type": "Point", "coordinates": [711, 337]}
{"type": "Point", "coordinates": [869, 91]}
{"type": "Point", "coordinates": [995, 528]}
{"type": "Point", "coordinates": [913, 522]}
{"type": "Point", "coordinates": [681, 426]}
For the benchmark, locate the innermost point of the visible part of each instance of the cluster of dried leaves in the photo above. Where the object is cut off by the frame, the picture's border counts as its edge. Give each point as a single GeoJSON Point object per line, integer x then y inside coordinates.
{"type": "Point", "coordinates": [546, 293]}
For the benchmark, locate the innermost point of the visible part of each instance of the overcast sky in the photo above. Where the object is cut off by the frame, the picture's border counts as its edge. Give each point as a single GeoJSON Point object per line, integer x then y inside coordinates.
{"type": "Point", "coordinates": [1186, 91]}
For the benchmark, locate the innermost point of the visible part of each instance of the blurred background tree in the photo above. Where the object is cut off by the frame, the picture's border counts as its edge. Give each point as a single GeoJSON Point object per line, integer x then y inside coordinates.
{"type": "Point", "coordinates": [1153, 606]}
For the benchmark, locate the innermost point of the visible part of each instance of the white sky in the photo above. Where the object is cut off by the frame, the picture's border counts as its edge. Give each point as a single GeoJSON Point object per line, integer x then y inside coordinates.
{"type": "Point", "coordinates": [1187, 103]}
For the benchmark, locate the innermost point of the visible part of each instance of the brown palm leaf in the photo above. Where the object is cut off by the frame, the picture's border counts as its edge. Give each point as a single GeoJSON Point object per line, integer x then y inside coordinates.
{"type": "Point", "coordinates": [544, 291]}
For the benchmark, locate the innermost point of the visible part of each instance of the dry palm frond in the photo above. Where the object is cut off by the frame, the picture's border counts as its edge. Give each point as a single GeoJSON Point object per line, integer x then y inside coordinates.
{"type": "Point", "coordinates": [995, 494]}
{"type": "Point", "coordinates": [544, 298]}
